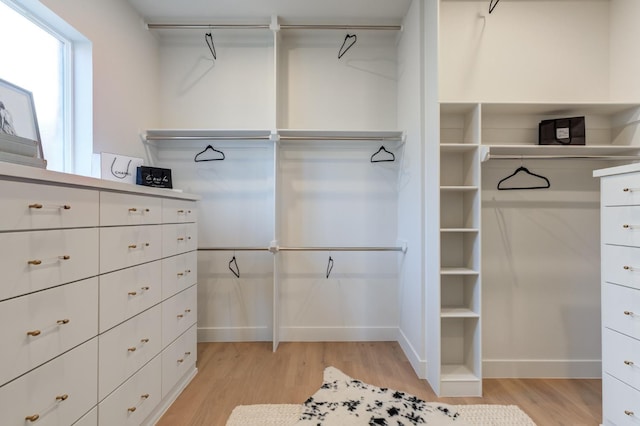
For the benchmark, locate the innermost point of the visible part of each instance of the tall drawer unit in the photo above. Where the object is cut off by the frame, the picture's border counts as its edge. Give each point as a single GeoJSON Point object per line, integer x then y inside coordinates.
{"type": "Point", "coordinates": [81, 299]}
{"type": "Point", "coordinates": [620, 238]}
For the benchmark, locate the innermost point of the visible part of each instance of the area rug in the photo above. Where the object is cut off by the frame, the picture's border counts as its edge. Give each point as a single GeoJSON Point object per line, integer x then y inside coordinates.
{"type": "Point", "coordinates": [344, 401]}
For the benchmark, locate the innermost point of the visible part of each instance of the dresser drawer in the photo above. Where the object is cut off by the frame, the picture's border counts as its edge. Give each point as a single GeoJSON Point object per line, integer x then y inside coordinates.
{"type": "Point", "coordinates": [34, 206]}
{"type": "Point", "coordinates": [178, 314]}
{"type": "Point", "coordinates": [128, 292]}
{"type": "Point", "coordinates": [621, 357]}
{"type": "Point", "coordinates": [620, 403]}
{"type": "Point", "coordinates": [128, 209]}
{"type": "Point", "coordinates": [178, 273]}
{"type": "Point", "coordinates": [42, 325]}
{"type": "Point", "coordinates": [132, 402]}
{"type": "Point", "coordinates": [122, 247]}
{"type": "Point", "coordinates": [621, 265]}
{"type": "Point", "coordinates": [621, 309]}
{"type": "Point", "coordinates": [178, 211]}
{"type": "Point", "coordinates": [178, 359]}
{"type": "Point", "coordinates": [126, 348]}
{"type": "Point", "coordinates": [179, 238]}
{"type": "Point", "coordinates": [621, 226]}
{"type": "Point", "coordinates": [621, 190]}
{"type": "Point", "coordinates": [57, 393]}
{"type": "Point", "coordinates": [89, 419]}
{"type": "Point", "coordinates": [35, 260]}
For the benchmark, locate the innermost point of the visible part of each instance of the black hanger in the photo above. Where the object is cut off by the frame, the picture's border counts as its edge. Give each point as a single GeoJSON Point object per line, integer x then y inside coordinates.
{"type": "Point", "coordinates": [546, 184]}
{"type": "Point", "coordinates": [233, 263]}
{"type": "Point", "coordinates": [382, 150]}
{"type": "Point", "coordinates": [209, 39]}
{"type": "Point", "coordinates": [493, 5]}
{"type": "Point", "coordinates": [351, 40]}
{"type": "Point", "coordinates": [209, 147]}
{"type": "Point", "coordinates": [329, 266]}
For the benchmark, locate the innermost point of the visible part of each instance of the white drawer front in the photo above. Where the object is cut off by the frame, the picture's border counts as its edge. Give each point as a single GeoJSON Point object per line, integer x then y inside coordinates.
{"type": "Point", "coordinates": [128, 209]}
{"type": "Point", "coordinates": [621, 357]}
{"type": "Point", "coordinates": [128, 292]}
{"type": "Point", "coordinates": [135, 399]}
{"type": "Point", "coordinates": [621, 225]}
{"type": "Point", "coordinates": [126, 348]}
{"type": "Point", "coordinates": [179, 238]}
{"type": "Point", "coordinates": [179, 211]}
{"type": "Point", "coordinates": [33, 206]}
{"type": "Point", "coordinates": [178, 273]}
{"type": "Point", "coordinates": [620, 403]}
{"type": "Point", "coordinates": [621, 309]}
{"type": "Point", "coordinates": [178, 359]}
{"type": "Point", "coordinates": [89, 419]}
{"type": "Point", "coordinates": [58, 392]}
{"type": "Point", "coordinates": [178, 314]}
{"type": "Point", "coordinates": [122, 247]}
{"type": "Point", "coordinates": [621, 265]}
{"type": "Point", "coordinates": [621, 190]}
{"type": "Point", "coordinates": [42, 325]}
{"type": "Point", "coordinates": [35, 260]}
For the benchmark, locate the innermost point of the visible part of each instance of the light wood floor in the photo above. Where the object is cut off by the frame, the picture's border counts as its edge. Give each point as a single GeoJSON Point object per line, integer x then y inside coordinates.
{"type": "Point", "coordinates": [231, 374]}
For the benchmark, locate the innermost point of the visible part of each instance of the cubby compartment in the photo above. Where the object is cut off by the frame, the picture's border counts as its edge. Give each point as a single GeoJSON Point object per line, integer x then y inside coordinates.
{"type": "Point", "coordinates": [458, 209]}
{"type": "Point", "coordinates": [461, 166]}
{"type": "Point", "coordinates": [461, 371]}
{"type": "Point", "coordinates": [460, 252]}
{"type": "Point", "coordinates": [460, 296]}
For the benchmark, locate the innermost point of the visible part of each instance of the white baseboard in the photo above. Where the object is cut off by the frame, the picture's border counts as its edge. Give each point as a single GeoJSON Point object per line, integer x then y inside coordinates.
{"type": "Point", "coordinates": [419, 365]}
{"type": "Point", "coordinates": [164, 405]}
{"type": "Point", "coordinates": [234, 334]}
{"type": "Point", "coordinates": [338, 334]}
{"type": "Point", "coordinates": [534, 368]}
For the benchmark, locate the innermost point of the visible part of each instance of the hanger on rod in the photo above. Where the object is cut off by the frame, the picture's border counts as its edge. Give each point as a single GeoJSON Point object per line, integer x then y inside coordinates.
{"type": "Point", "coordinates": [493, 5]}
{"type": "Point", "coordinates": [544, 182]}
{"type": "Point", "coordinates": [382, 155]}
{"type": "Point", "coordinates": [349, 41]}
{"type": "Point", "coordinates": [233, 266]}
{"type": "Point", "coordinates": [197, 158]}
{"type": "Point", "coordinates": [208, 38]}
{"type": "Point", "coordinates": [329, 266]}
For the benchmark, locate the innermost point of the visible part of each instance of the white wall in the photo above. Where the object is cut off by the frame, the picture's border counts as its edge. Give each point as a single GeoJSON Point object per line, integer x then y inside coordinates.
{"type": "Point", "coordinates": [125, 71]}
{"type": "Point", "coordinates": [524, 51]}
{"type": "Point", "coordinates": [625, 39]}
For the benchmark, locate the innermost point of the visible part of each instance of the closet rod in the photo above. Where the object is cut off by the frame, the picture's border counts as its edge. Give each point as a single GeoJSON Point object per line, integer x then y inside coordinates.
{"type": "Point", "coordinates": [402, 249]}
{"type": "Point", "coordinates": [267, 26]}
{"type": "Point", "coordinates": [205, 138]}
{"type": "Point", "coordinates": [339, 138]}
{"type": "Point", "coordinates": [561, 157]}
{"type": "Point", "coordinates": [233, 249]}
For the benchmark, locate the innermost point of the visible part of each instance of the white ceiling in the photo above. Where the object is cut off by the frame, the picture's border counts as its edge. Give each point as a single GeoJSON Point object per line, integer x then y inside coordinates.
{"type": "Point", "coordinates": [290, 11]}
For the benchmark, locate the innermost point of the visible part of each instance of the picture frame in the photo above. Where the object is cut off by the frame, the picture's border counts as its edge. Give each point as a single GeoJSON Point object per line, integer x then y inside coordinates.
{"type": "Point", "coordinates": [18, 118]}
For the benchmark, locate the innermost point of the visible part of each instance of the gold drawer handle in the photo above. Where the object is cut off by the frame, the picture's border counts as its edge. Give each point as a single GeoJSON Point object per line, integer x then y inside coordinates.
{"type": "Point", "coordinates": [39, 206]}
{"type": "Point", "coordinates": [35, 206]}
{"type": "Point", "coordinates": [180, 316]}
{"type": "Point", "coordinates": [32, 418]}
{"type": "Point", "coordinates": [131, 409]}
{"type": "Point", "coordinates": [134, 210]}
{"type": "Point", "coordinates": [629, 413]}
{"type": "Point", "coordinates": [65, 257]}
{"type": "Point", "coordinates": [135, 246]}
{"type": "Point", "coordinates": [144, 340]}
{"type": "Point", "coordinates": [132, 349]}
{"type": "Point", "coordinates": [132, 293]}
{"type": "Point", "coordinates": [628, 313]}
{"type": "Point", "coordinates": [34, 262]}
{"type": "Point", "coordinates": [627, 268]}
{"type": "Point", "coordinates": [62, 397]}
{"type": "Point", "coordinates": [187, 353]}
{"type": "Point", "coordinates": [63, 321]}
{"type": "Point", "coordinates": [180, 238]}
{"type": "Point", "coordinates": [188, 271]}
{"type": "Point", "coordinates": [180, 274]}
{"type": "Point", "coordinates": [145, 396]}
{"type": "Point", "coordinates": [145, 288]}
{"type": "Point", "coordinates": [629, 363]}
{"type": "Point", "coordinates": [34, 333]}
{"type": "Point", "coordinates": [630, 189]}
{"type": "Point", "coordinates": [180, 361]}
{"type": "Point", "coordinates": [187, 310]}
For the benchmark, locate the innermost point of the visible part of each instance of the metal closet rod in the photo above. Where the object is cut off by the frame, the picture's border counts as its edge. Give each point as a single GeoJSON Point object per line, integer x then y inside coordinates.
{"type": "Point", "coordinates": [561, 157]}
{"type": "Point", "coordinates": [275, 249]}
{"type": "Point", "coordinates": [267, 137]}
{"type": "Point", "coordinates": [170, 26]}
{"type": "Point", "coordinates": [205, 138]}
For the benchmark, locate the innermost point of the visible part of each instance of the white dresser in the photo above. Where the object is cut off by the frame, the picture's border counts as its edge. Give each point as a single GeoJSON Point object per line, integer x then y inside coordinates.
{"type": "Point", "coordinates": [620, 236]}
{"type": "Point", "coordinates": [98, 299]}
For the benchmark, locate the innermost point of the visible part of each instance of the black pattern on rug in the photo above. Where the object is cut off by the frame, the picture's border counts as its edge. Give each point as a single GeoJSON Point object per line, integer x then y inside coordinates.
{"type": "Point", "coordinates": [342, 400]}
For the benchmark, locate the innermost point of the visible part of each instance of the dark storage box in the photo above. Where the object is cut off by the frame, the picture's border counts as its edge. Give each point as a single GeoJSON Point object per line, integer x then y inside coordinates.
{"type": "Point", "coordinates": [154, 176]}
{"type": "Point", "coordinates": [562, 131]}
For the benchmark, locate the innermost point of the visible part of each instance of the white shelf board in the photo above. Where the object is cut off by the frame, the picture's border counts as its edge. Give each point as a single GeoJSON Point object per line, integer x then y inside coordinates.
{"type": "Point", "coordinates": [458, 147]}
{"type": "Point", "coordinates": [457, 312]}
{"type": "Point", "coordinates": [457, 230]}
{"type": "Point", "coordinates": [458, 271]}
{"type": "Point", "coordinates": [203, 134]}
{"type": "Point", "coordinates": [458, 188]}
{"type": "Point", "coordinates": [556, 109]}
{"type": "Point", "coordinates": [374, 135]}
{"type": "Point", "coordinates": [457, 372]}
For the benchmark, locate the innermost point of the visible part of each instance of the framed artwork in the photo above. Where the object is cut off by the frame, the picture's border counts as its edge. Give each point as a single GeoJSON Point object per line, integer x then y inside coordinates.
{"type": "Point", "coordinates": [18, 113]}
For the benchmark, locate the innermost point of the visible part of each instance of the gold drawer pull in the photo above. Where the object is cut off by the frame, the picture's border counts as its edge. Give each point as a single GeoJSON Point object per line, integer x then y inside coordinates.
{"type": "Point", "coordinates": [187, 310]}
{"type": "Point", "coordinates": [65, 257]}
{"type": "Point", "coordinates": [628, 313]}
{"type": "Point", "coordinates": [35, 206]}
{"type": "Point", "coordinates": [187, 353]}
{"type": "Point", "coordinates": [188, 271]}
{"type": "Point", "coordinates": [180, 316]}
{"type": "Point", "coordinates": [132, 349]}
{"type": "Point", "coordinates": [33, 333]}
{"type": "Point", "coordinates": [144, 341]}
{"type": "Point", "coordinates": [32, 418]}
{"type": "Point", "coordinates": [39, 206]}
{"type": "Point", "coordinates": [180, 274]}
{"type": "Point", "coordinates": [145, 396]}
{"type": "Point", "coordinates": [134, 210]}
{"type": "Point", "coordinates": [62, 397]}
{"type": "Point", "coordinates": [630, 189]}
{"type": "Point", "coordinates": [629, 363]}
{"type": "Point", "coordinates": [145, 288]}
{"type": "Point", "coordinates": [135, 246]}
{"type": "Point", "coordinates": [62, 321]}
{"type": "Point", "coordinates": [180, 238]}
{"type": "Point", "coordinates": [627, 268]}
{"type": "Point", "coordinates": [180, 361]}
{"type": "Point", "coordinates": [131, 409]}
{"type": "Point", "coordinates": [629, 413]}
{"type": "Point", "coordinates": [34, 262]}
{"type": "Point", "coordinates": [132, 293]}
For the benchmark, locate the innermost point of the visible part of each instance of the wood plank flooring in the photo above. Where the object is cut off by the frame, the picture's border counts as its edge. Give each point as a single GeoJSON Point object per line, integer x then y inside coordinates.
{"type": "Point", "coordinates": [231, 374]}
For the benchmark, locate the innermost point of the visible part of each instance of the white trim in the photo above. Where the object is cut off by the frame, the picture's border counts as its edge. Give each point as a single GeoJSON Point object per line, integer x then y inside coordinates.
{"type": "Point", "coordinates": [419, 365]}
{"type": "Point", "coordinates": [164, 405]}
{"type": "Point", "coordinates": [234, 334]}
{"type": "Point", "coordinates": [338, 334]}
{"type": "Point", "coordinates": [535, 368]}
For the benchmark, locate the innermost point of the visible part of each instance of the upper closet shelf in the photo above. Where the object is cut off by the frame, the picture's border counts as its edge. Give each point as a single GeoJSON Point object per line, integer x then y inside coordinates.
{"type": "Point", "coordinates": [601, 152]}
{"type": "Point", "coordinates": [340, 135]}
{"type": "Point", "coordinates": [205, 135]}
